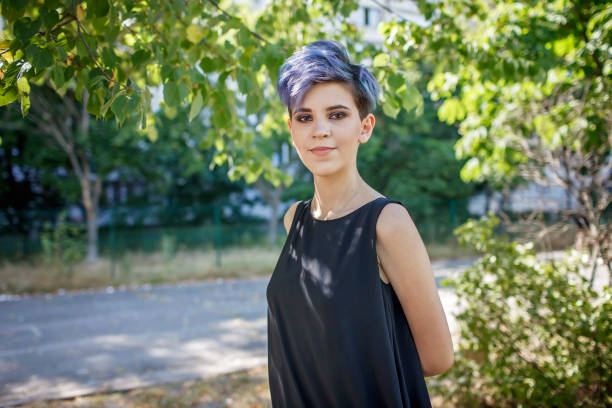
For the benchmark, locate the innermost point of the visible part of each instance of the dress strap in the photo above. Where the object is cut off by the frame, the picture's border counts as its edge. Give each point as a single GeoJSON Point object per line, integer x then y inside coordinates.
{"type": "Point", "coordinates": [377, 208]}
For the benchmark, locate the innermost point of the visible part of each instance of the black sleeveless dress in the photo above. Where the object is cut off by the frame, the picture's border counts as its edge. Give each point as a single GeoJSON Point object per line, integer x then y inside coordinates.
{"type": "Point", "coordinates": [337, 334]}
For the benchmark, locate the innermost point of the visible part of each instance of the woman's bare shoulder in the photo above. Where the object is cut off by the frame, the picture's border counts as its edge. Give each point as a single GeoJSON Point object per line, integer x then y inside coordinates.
{"type": "Point", "coordinates": [289, 214]}
{"type": "Point", "coordinates": [393, 217]}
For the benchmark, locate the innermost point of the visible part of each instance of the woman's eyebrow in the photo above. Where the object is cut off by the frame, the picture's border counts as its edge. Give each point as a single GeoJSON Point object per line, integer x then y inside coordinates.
{"type": "Point", "coordinates": [302, 109]}
{"type": "Point", "coordinates": [338, 107]}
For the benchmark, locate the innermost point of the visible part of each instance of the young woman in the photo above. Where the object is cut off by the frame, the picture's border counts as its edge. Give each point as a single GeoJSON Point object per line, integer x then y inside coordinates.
{"type": "Point", "coordinates": [354, 317]}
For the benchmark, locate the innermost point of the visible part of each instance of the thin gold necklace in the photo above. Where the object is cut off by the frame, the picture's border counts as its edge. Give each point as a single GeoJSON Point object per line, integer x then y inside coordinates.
{"type": "Point", "coordinates": [344, 206]}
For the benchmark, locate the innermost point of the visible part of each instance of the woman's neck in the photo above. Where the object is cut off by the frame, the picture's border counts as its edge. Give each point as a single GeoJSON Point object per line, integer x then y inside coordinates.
{"type": "Point", "coordinates": [336, 196]}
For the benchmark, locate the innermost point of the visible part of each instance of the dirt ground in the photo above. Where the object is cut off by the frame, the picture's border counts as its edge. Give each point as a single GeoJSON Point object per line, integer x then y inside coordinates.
{"type": "Point", "coordinates": [241, 389]}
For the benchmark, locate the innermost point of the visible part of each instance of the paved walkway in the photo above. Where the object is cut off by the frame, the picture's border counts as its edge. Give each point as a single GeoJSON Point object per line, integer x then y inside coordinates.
{"type": "Point", "coordinates": [70, 344]}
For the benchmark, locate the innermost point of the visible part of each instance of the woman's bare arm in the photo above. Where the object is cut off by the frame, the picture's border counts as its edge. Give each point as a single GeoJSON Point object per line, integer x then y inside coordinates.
{"type": "Point", "coordinates": [288, 217]}
{"type": "Point", "coordinates": [405, 262]}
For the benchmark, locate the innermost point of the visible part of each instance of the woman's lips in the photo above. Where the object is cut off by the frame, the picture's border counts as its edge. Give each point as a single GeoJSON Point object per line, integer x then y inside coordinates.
{"type": "Point", "coordinates": [321, 151]}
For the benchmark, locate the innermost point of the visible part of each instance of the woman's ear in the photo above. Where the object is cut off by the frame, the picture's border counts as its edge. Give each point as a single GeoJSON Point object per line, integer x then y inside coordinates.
{"type": "Point", "coordinates": [367, 126]}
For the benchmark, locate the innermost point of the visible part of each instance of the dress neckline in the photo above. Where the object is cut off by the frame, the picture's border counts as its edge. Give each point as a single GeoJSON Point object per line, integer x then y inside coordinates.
{"type": "Point", "coordinates": [308, 202]}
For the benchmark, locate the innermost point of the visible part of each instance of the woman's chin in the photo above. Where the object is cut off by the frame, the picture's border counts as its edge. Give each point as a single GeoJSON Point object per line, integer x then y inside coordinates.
{"type": "Point", "coordinates": [323, 169]}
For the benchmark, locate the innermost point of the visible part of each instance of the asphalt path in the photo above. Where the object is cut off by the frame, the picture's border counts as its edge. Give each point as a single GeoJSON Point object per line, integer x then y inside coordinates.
{"type": "Point", "coordinates": [77, 343]}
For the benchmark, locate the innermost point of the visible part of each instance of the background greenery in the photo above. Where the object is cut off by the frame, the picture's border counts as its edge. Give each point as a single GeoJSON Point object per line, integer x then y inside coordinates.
{"type": "Point", "coordinates": [487, 96]}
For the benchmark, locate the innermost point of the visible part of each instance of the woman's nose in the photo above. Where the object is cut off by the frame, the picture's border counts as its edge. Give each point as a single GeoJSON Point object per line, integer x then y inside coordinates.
{"type": "Point", "coordinates": [321, 128]}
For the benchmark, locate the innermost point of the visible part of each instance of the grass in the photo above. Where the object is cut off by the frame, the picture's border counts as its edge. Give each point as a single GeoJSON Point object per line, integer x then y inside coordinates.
{"type": "Point", "coordinates": [139, 268]}
{"type": "Point", "coordinates": [136, 268]}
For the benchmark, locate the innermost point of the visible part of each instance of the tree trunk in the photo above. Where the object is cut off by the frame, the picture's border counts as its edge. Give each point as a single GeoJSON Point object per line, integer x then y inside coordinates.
{"type": "Point", "coordinates": [271, 196]}
{"type": "Point", "coordinates": [91, 193]}
{"type": "Point", "coordinates": [63, 126]}
{"type": "Point", "coordinates": [487, 197]}
{"type": "Point", "coordinates": [92, 237]}
{"type": "Point", "coordinates": [273, 222]}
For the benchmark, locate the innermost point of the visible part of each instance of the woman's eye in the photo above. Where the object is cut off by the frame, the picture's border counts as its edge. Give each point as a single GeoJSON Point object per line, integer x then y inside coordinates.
{"type": "Point", "coordinates": [303, 118]}
{"type": "Point", "coordinates": [337, 115]}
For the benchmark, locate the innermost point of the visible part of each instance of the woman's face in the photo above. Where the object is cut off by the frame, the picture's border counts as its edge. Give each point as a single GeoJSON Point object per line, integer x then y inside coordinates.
{"type": "Point", "coordinates": [326, 129]}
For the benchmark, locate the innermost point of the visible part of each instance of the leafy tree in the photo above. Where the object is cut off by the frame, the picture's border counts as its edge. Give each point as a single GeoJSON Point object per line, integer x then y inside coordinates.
{"type": "Point", "coordinates": [411, 158]}
{"type": "Point", "coordinates": [529, 84]}
{"type": "Point", "coordinates": [73, 140]}
{"type": "Point", "coordinates": [180, 166]}
{"type": "Point", "coordinates": [23, 185]}
{"type": "Point", "coordinates": [199, 53]}
{"type": "Point", "coordinates": [216, 58]}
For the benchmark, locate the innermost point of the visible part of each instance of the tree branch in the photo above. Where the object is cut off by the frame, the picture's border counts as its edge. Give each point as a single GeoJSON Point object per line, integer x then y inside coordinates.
{"type": "Point", "coordinates": [225, 13]}
{"type": "Point", "coordinates": [91, 54]}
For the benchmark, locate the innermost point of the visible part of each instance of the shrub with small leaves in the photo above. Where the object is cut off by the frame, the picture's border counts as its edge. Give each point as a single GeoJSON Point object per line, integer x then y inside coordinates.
{"type": "Point", "coordinates": [532, 332]}
{"type": "Point", "coordinates": [63, 244]}
{"type": "Point", "coordinates": [168, 248]}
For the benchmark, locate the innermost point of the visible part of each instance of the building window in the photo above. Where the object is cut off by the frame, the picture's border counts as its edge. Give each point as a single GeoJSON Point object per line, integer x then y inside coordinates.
{"type": "Point", "coordinates": [371, 16]}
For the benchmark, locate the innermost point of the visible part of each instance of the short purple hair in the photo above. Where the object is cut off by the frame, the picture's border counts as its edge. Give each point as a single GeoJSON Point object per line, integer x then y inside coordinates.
{"type": "Point", "coordinates": [325, 61]}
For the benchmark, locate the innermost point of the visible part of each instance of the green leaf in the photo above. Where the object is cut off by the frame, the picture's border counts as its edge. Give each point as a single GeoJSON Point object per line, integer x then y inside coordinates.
{"type": "Point", "coordinates": [256, 61]}
{"type": "Point", "coordinates": [108, 57]}
{"type": "Point", "coordinates": [208, 65]}
{"type": "Point", "coordinates": [195, 33]}
{"type": "Point", "coordinates": [95, 82]}
{"type": "Point", "coordinates": [124, 106]}
{"type": "Point", "coordinates": [140, 56]}
{"type": "Point", "coordinates": [183, 92]}
{"type": "Point", "coordinates": [169, 73]}
{"type": "Point", "coordinates": [111, 34]}
{"type": "Point", "coordinates": [391, 107]}
{"type": "Point", "coordinates": [564, 46]}
{"type": "Point", "coordinates": [61, 52]}
{"type": "Point", "coordinates": [41, 58]}
{"type": "Point", "coordinates": [172, 95]}
{"type": "Point", "coordinates": [244, 82]}
{"type": "Point", "coordinates": [25, 28]}
{"type": "Point", "coordinates": [23, 86]}
{"type": "Point", "coordinates": [13, 9]}
{"type": "Point", "coordinates": [254, 102]}
{"type": "Point", "coordinates": [82, 49]}
{"type": "Point", "coordinates": [57, 74]}
{"type": "Point", "coordinates": [8, 96]}
{"type": "Point", "coordinates": [245, 37]}
{"type": "Point", "coordinates": [116, 93]}
{"type": "Point", "coordinates": [607, 68]}
{"type": "Point", "coordinates": [25, 104]}
{"type": "Point", "coordinates": [93, 104]}
{"type": "Point", "coordinates": [221, 118]}
{"type": "Point", "coordinates": [396, 81]}
{"type": "Point", "coordinates": [99, 8]}
{"type": "Point", "coordinates": [546, 128]}
{"type": "Point", "coordinates": [145, 106]}
{"type": "Point", "coordinates": [100, 24]}
{"type": "Point", "coordinates": [410, 96]}
{"type": "Point", "coordinates": [120, 107]}
{"type": "Point", "coordinates": [451, 110]}
{"type": "Point", "coordinates": [196, 106]}
{"type": "Point", "coordinates": [220, 158]}
{"type": "Point", "coordinates": [49, 17]}
{"type": "Point", "coordinates": [51, 4]}
{"type": "Point", "coordinates": [381, 60]}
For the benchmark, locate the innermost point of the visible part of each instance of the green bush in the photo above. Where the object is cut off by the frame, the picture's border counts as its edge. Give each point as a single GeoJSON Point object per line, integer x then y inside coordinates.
{"type": "Point", "coordinates": [532, 332]}
{"type": "Point", "coordinates": [63, 245]}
